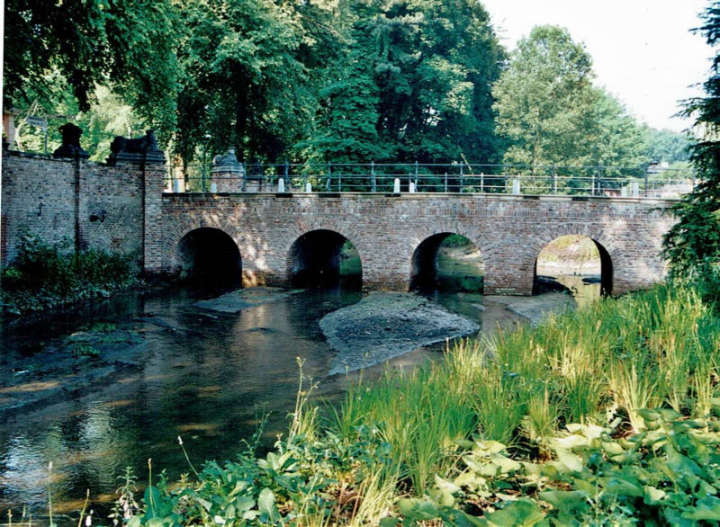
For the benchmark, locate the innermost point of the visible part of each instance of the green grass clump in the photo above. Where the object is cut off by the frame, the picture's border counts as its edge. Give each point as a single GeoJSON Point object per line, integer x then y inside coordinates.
{"type": "Point", "coordinates": [656, 349]}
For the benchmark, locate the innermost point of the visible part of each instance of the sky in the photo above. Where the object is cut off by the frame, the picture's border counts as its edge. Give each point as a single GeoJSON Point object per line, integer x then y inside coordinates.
{"type": "Point", "coordinates": [643, 51]}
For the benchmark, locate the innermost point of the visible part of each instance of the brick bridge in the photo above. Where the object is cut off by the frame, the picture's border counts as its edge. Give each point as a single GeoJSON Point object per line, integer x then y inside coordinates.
{"type": "Point", "coordinates": [388, 232]}
{"type": "Point", "coordinates": [268, 237]}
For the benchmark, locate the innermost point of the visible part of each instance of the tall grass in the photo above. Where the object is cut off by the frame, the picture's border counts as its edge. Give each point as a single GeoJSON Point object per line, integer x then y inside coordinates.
{"type": "Point", "coordinates": [611, 359]}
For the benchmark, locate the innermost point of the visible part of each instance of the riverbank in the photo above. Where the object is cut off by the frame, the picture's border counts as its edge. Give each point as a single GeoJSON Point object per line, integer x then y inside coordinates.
{"type": "Point", "coordinates": [45, 278]}
{"type": "Point", "coordinates": [554, 427]}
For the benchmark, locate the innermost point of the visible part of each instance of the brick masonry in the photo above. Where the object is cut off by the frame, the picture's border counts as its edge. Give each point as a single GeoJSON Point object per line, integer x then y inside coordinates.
{"type": "Point", "coordinates": [81, 204]}
{"type": "Point", "coordinates": [510, 231]}
{"type": "Point", "coordinates": [123, 209]}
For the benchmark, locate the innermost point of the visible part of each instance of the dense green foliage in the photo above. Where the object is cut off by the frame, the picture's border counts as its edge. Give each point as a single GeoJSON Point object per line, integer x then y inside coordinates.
{"type": "Point", "coordinates": [44, 276]}
{"type": "Point", "coordinates": [693, 244]}
{"type": "Point", "coordinates": [552, 114]}
{"type": "Point", "coordinates": [604, 416]}
{"type": "Point", "coordinates": [318, 81]}
{"type": "Point", "coordinates": [127, 45]}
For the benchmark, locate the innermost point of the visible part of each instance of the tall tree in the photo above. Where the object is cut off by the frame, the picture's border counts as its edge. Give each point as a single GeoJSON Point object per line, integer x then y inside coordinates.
{"type": "Point", "coordinates": [243, 80]}
{"type": "Point", "coordinates": [422, 70]}
{"type": "Point", "coordinates": [127, 44]}
{"type": "Point", "coordinates": [693, 244]}
{"type": "Point", "coordinates": [552, 114]}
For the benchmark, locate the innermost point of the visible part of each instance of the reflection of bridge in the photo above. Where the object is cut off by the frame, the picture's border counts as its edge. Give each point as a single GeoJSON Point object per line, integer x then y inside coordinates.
{"type": "Point", "coordinates": [386, 230]}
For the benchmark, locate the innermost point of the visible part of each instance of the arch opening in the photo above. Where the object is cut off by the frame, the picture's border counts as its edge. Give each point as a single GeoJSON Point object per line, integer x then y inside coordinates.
{"type": "Point", "coordinates": [447, 262]}
{"type": "Point", "coordinates": [324, 259]}
{"type": "Point", "coordinates": [576, 264]}
{"type": "Point", "coordinates": [210, 258]}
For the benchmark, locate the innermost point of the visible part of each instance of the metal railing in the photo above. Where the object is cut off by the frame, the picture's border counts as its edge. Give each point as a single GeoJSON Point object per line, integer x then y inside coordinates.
{"type": "Point", "coordinates": [391, 178]}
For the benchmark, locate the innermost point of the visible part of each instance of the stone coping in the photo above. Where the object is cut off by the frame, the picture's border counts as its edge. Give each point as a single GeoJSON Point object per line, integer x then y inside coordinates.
{"type": "Point", "coordinates": [416, 196]}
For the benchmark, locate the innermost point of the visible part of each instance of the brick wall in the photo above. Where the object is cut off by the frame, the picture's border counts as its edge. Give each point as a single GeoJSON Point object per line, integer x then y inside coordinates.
{"type": "Point", "coordinates": [45, 197]}
{"type": "Point", "coordinates": [510, 231]}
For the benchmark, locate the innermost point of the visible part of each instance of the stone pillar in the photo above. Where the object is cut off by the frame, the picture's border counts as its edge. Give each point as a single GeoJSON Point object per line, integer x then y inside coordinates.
{"type": "Point", "coordinates": [153, 184]}
{"type": "Point", "coordinates": [227, 173]}
{"type": "Point", "coordinates": [144, 155]}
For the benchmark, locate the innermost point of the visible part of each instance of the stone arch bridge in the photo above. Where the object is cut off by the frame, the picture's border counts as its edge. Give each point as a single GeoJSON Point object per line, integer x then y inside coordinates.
{"type": "Point", "coordinates": [509, 231]}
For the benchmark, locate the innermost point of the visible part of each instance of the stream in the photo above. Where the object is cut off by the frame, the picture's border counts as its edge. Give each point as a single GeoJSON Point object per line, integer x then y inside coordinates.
{"type": "Point", "coordinates": [107, 387]}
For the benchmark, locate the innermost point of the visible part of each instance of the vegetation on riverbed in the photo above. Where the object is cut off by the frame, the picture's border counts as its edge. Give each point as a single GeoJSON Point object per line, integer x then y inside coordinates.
{"type": "Point", "coordinates": [45, 277]}
{"type": "Point", "coordinates": [608, 415]}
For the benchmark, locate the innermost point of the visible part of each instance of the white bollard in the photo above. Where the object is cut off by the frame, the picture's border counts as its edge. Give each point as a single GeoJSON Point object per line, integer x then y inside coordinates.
{"type": "Point", "coordinates": [281, 185]}
{"type": "Point", "coordinates": [396, 186]}
{"type": "Point", "coordinates": [412, 187]}
{"type": "Point", "coordinates": [516, 186]}
{"type": "Point", "coordinates": [176, 186]}
{"type": "Point", "coordinates": [623, 192]}
{"type": "Point", "coordinates": [308, 187]}
{"type": "Point", "coordinates": [635, 189]}
{"type": "Point", "coordinates": [213, 188]}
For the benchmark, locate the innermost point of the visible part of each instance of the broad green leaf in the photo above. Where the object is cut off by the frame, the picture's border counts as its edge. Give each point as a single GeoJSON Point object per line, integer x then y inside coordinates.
{"type": "Point", "coordinates": [707, 508]}
{"type": "Point", "coordinates": [266, 502]}
{"type": "Point", "coordinates": [521, 513]}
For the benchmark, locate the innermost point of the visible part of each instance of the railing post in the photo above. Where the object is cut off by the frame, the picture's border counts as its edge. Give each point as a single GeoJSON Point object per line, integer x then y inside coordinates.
{"type": "Point", "coordinates": [646, 183]}
{"type": "Point", "coordinates": [482, 181]}
{"type": "Point", "coordinates": [592, 185]}
{"type": "Point", "coordinates": [446, 182]}
{"type": "Point", "coordinates": [416, 174]}
{"type": "Point", "coordinates": [462, 177]}
{"type": "Point", "coordinates": [373, 181]}
{"type": "Point", "coordinates": [329, 176]}
{"type": "Point", "coordinates": [287, 174]}
{"type": "Point", "coordinates": [340, 181]}
{"type": "Point", "coordinates": [243, 185]}
{"type": "Point", "coordinates": [554, 180]}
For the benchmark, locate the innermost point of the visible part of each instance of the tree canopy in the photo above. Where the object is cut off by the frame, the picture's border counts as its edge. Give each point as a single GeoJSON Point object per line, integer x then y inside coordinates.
{"type": "Point", "coordinates": [320, 80]}
{"type": "Point", "coordinates": [693, 244]}
{"type": "Point", "coordinates": [551, 113]}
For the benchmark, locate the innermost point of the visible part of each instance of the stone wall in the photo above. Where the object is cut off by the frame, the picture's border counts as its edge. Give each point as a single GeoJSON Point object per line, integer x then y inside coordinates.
{"type": "Point", "coordinates": [80, 204]}
{"type": "Point", "coordinates": [510, 231]}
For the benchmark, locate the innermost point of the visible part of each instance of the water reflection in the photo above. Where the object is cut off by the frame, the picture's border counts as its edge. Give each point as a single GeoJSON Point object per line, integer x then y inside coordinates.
{"type": "Point", "coordinates": [207, 376]}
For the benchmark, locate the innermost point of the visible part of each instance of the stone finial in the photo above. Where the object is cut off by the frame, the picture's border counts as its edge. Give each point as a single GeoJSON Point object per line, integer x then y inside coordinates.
{"type": "Point", "coordinates": [226, 163]}
{"type": "Point", "coordinates": [70, 143]}
{"type": "Point", "coordinates": [136, 150]}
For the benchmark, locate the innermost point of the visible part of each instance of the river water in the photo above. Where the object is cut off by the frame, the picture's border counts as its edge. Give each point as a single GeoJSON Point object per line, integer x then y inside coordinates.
{"type": "Point", "coordinates": [165, 367]}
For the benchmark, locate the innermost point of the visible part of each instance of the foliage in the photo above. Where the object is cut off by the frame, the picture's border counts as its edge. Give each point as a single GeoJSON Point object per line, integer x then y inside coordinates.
{"type": "Point", "coordinates": [693, 244]}
{"type": "Point", "coordinates": [666, 146]}
{"type": "Point", "coordinates": [243, 83]}
{"type": "Point", "coordinates": [549, 110]}
{"type": "Point", "coordinates": [45, 276]}
{"type": "Point", "coordinates": [434, 63]}
{"type": "Point", "coordinates": [667, 474]}
{"type": "Point", "coordinates": [127, 44]}
{"type": "Point", "coordinates": [108, 116]}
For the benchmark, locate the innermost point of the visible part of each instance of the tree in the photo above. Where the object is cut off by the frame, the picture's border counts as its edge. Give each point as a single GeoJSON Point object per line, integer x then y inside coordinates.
{"type": "Point", "coordinates": [557, 121]}
{"type": "Point", "coordinates": [545, 99]}
{"type": "Point", "coordinates": [692, 245]}
{"type": "Point", "coordinates": [243, 81]}
{"type": "Point", "coordinates": [417, 71]}
{"type": "Point", "coordinates": [127, 45]}
{"type": "Point", "coordinates": [666, 146]}
{"type": "Point", "coordinates": [435, 62]}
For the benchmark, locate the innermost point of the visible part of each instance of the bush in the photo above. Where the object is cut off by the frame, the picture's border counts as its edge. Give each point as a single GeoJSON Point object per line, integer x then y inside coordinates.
{"type": "Point", "coordinates": [45, 276]}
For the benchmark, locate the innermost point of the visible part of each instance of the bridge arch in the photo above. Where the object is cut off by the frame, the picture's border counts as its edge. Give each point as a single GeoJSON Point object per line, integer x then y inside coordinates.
{"type": "Point", "coordinates": [572, 260]}
{"type": "Point", "coordinates": [324, 258]}
{"type": "Point", "coordinates": [447, 261]}
{"type": "Point", "coordinates": [208, 256]}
